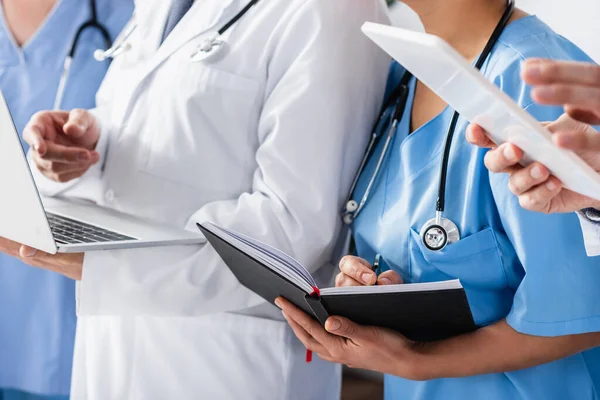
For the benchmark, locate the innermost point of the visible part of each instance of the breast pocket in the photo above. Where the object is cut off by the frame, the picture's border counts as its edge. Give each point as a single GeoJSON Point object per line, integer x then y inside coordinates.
{"type": "Point", "coordinates": [475, 260]}
{"type": "Point", "coordinates": [210, 118]}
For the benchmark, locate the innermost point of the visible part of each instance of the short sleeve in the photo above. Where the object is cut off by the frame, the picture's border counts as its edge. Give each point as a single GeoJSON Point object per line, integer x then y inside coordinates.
{"type": "Point", "coordinates": [558, 294]}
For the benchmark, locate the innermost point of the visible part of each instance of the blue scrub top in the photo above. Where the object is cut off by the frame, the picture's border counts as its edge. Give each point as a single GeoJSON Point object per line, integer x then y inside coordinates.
{"type": "Point", "coordinates": [37, 308]}
{"type": "Point", "coordinates": [527, 267]}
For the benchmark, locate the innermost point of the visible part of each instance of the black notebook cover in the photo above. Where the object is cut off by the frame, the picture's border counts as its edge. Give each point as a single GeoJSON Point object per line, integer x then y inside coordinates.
{"type": "Point", "coordinates": [420, 316]}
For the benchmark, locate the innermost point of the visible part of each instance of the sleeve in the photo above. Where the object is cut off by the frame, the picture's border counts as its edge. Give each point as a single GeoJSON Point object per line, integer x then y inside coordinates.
{"type": "Point", "coordinates": [558, 294]}
{"type": "Point", "coordinates": [591, 233]}
{"type": "Point", "coordinates": [324, 87]}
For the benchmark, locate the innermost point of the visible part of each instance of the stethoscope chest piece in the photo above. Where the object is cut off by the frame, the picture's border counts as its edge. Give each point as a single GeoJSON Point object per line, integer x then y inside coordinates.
{"type": "Point", "coordinates": [439, 232]}
{"type": "Point", "coordinates": [209, 49]}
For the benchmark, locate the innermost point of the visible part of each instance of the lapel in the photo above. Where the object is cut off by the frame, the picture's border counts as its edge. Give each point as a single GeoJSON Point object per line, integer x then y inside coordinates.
{"type": "Point", "coordinates": [203, 17]}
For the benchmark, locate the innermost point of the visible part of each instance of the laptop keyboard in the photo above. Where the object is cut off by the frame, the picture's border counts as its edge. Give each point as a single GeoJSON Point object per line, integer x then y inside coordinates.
{"type": "Point", "coordinates": [70, 231]}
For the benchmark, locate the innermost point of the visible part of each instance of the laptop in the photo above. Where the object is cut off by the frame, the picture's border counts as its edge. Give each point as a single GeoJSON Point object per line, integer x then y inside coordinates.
{"type": "Point", "coordinates": [66, 225]}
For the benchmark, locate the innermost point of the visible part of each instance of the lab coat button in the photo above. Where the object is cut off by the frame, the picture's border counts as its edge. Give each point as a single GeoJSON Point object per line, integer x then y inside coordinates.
{"type": "Point", "coordinates": [109, 195]}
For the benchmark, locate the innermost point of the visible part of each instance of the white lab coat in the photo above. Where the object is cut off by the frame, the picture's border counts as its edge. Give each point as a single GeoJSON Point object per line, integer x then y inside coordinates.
{"type": "Point", "coordinates": [265, 140]}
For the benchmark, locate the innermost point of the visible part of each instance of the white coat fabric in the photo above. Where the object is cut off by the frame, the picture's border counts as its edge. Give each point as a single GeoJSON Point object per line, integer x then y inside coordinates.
{"type": "Point", "coordinates": [264, 140]}
{"type": "Point", "coordinates": [591, 235]}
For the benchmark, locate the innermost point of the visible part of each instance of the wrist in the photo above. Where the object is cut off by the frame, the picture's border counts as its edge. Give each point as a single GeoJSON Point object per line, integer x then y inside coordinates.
{"type": "Point", "coordinates": [421, 364]}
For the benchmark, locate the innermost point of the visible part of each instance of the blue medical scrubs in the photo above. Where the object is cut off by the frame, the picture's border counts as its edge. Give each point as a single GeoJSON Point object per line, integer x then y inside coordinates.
{"type": "Point", "coordinates": [527, 267]}
{"type": "Point", "coordinates": [37, 308]}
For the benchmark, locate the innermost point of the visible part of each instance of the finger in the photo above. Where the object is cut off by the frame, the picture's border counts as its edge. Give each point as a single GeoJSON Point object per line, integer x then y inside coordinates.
{"type": "Point", "coordinates": [389, 278]}
{"type": "Point", "coordinates": [42, 126]}
{"type": "Point", "coordinates": [539, 198]}
{"type": "Point", "coordinates": [9, 247]}
{"type": "Point", "coordinates": [476, 135]}
{"type": "Point", "coordinates": [583, 115]}
{"type": "Point", "coordinates": [578, 140]}
{"type": "Point", "coordinates": [504, 159]}
{"type": "Point", "coordinates": [68, 155]}
{"type": "Point", "coordinates": [27, 252]}
{"type": "Point", "coordinates": [343, 327]}
{"type": "Point", "coordinates": [312, 327]}
{"type": "Point", "coordinates": [358, 269]}
{"type": "Point", "coordinates": [343, 280]}
{"type": "Point", "coordinates": [543, 72]}
{"type": "Point", "coordinates": [63, 178]}
{"type": "Point", "coordinates": [78, 124]}
{"type": "Point", "coordinates": [61, 168]}
{"type": "Point", "coordinates": [523, 180]}
{"type": "Point", "coordinates": [574, 95]}
{"type": "Point", "coordinates": [34, 136]}
{"type": "Point", "coordinates": [307, 340]}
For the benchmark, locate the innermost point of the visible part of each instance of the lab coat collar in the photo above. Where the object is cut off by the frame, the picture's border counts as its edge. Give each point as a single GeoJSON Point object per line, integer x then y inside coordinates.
{"type": "Point", "coordinates": [203, 17]}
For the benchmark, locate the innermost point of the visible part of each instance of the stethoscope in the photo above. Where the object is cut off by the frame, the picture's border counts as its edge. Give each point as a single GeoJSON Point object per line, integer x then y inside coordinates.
{"type": "Point", "coordinates": [214, 44]}
{"type": "Point", "coordinates": [209, 48]}
{"type": "Point", "coordinates": [438, 232]}
{"type": "Point", "coordinates": [92, 23]}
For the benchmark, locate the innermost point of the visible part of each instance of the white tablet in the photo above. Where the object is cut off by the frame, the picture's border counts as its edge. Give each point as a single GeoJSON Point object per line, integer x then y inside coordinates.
{"type": "Point", "coordinates": [435, 63]}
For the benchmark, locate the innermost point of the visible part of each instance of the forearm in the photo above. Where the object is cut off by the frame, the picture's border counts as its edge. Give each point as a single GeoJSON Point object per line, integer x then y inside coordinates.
{"type": "Point", "coordinates": [495, 349]}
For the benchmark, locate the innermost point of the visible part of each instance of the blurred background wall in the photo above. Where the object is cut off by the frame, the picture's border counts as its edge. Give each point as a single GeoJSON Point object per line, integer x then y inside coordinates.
{"type": "Point", "coordinates": [577, 20]}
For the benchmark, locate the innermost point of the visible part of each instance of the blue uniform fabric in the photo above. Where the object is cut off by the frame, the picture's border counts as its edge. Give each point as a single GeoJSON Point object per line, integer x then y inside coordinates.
{"type": "Point", "coordinates": [37, 308]}
{"type": "Point", "coordinates": [527, 267]}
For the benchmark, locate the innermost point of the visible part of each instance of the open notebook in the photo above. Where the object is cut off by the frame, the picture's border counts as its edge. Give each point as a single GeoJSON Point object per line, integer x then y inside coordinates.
{"type": "Point", "coordinates": [420, 311]}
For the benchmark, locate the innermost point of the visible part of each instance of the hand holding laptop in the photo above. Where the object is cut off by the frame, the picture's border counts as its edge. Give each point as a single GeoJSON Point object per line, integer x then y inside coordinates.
{"type": "Point", "coordinates": [67, 264]}
{"type": "Point", "coordinates": [63, 143]}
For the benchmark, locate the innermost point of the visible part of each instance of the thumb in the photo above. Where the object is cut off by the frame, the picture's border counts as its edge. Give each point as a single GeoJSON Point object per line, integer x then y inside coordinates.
{"type": "Point", "coordinates": [27, 252]}
{"type": "Point", "coordinates": [78, 124]}
{"type": "Point", "coordinates": [344, 327]}
{"type": "Point", "coordinates": [389, 278]}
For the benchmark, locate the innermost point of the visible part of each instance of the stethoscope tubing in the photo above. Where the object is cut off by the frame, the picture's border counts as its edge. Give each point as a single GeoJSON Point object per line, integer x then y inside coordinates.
{"type": "Point", "coordinates": [351, 213]}
{"type": "Point", "coordinates": [91, 24]}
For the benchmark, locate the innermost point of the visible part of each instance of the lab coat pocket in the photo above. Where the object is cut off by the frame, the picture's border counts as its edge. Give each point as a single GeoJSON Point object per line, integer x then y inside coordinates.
{"type": "Point", "coordinates": [212, 120]}
{"type": "Point", "coordinates": [475, 260]}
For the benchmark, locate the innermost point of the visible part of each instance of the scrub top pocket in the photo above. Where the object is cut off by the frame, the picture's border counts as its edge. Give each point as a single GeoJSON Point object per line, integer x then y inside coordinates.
{"type": "Point", "coordinates": [476, 261]}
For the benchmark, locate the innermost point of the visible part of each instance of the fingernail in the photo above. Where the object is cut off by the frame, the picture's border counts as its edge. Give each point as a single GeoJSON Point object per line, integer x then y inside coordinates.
{"type": "Point", "coordinates": [29, 252]}
{"type": "Point", "coordinates": [536, 173]}
{"type": "Point", "coordinates": [562, 140]}
{"type": "Point", "coordinates": [385, 281]}
{"type": "Point", "coordinates": [367, 278]}
{"type": "Point", "coordinates": [509, 153]}
{"type": "Point", "coordinates": [36, 146]}
{"type": "Point", "coordinates": [551, 186]}
{"type": "Point", "coordinates": [542, 92]}
{"type": "Point", "coordinates": [82, 127]}
{"type": "Point", "coordinates": [278, 303]}
{"type": "Point", "coordinates": [84, 156]}
{"type": "Point", "coordinates": [333, 325]}
{"type": "Point", "coordinates": [533, 70]}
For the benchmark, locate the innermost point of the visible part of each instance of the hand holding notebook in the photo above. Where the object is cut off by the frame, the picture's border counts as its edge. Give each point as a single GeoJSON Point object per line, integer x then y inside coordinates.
{"type": "Point", "coordinates": [421, 312]}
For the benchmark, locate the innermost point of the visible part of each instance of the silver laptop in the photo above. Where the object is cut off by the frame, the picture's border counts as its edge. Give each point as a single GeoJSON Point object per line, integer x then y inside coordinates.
{"type": "Point", "coordinates": [63, 225]}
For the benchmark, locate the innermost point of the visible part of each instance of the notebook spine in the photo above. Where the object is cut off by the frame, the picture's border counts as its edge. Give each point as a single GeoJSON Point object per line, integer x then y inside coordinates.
{"type": "Point", "coordinates": [316, 305]}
